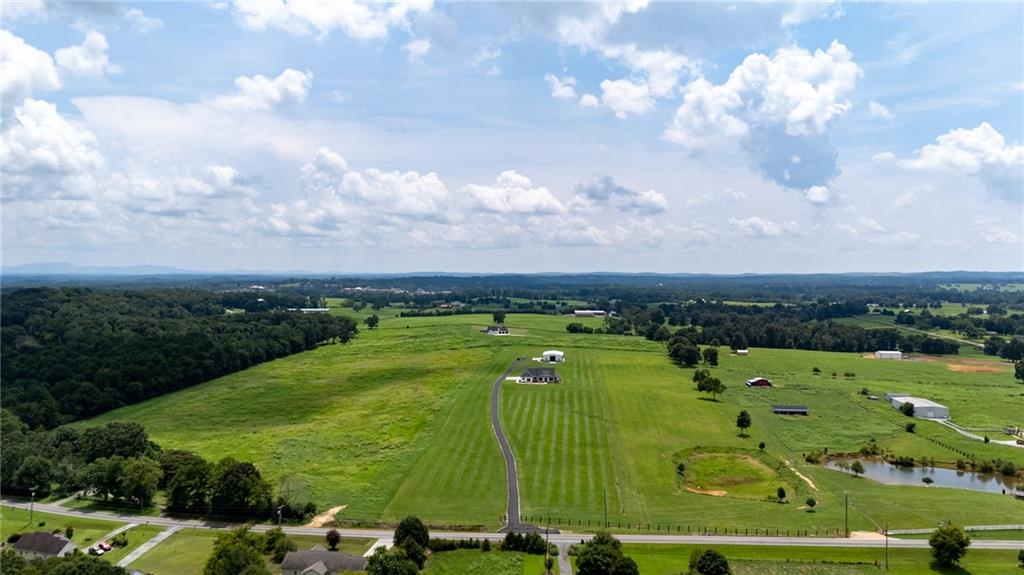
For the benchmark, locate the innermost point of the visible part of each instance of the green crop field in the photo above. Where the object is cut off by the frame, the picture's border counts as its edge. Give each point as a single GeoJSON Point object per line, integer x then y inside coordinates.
{"type": "Point", "coordinates": [397, 423]}
{"type": "Point", "coordinates": [764, 560]}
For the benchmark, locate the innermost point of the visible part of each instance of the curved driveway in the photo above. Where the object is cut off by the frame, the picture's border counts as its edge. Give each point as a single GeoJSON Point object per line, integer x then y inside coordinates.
{"type": "Point", "coordinates": [512, 523]}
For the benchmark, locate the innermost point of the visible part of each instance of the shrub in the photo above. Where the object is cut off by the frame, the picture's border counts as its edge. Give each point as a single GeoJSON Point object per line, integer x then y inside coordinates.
{"type": "Point", "coordinates": [910, 427]}
{"type": "Point", "coordinates": [414, 551]}
{"type": "Point", "coordinates": [333, 538]}
{"type": "Point", "coordinates": [864, 391]}
{"type": "Point", "coordinates": [857, 467]}
{"type": "Point", "coordinates": [485, 545]}
{"type": "Point", "coordinates": [120, 540]}
{"type": "Point", "coordinates": [708, 562]}
{"type": "Point", "coordinates": [69, 532]}
{"type": "Point", "coordinates": [282, 547]}
{"type": "Point", "coordinates": [949, 544]}
{"type": "Point", "coordinates": [849, 374]}
{"type": "Point", "coordinates": [927, 480]}
{"type": "Point", "coordinates": [760, 446]}
{"type": "Point", "coordinates": [961, 464]}
{"type": "Point", "coordinates": [680, 468]}
{"type": "Point", "coordinates": [781, 493]}
{"type": "Point", "coordinates": [812, 502]}
{"type": "Point", "coordinates": [907, 409]}
{"type": "Point", "coordinates": [271, 537]}
{"type": "Point", "coordinates": [816, 371]}
{"type": "Point", "coordinates": [987, 439]}
{"type": "Point", "coordinates": [1020, 558]}
{"type": "Point", "coordinates": [412, 527]}
{"type": "Point", "coordinates": [13, 537]}
{"type": "Point", "coordinates": [1008, 469]}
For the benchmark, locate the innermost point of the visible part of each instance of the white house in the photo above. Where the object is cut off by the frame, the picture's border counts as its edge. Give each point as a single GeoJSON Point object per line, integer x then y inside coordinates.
{"type": "Point", "coordinates": [496, 330]}
{"type": "Point", "coordinates": [590, 313]}
{"type": "Point", "coordinates": [742, 352]}
{"type": "Point", "coordinates": [923, 408]}
{"type": "Point", "coordinates": [42, 545]}
{"type": "Point", "coordinates": [881, 354]}
{"type": "Point", "coordinates": [554, 356]}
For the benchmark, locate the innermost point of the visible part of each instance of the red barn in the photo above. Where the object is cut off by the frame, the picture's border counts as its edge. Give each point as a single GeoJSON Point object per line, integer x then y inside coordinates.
{"type": "Point", "coordinates": [759, 382]}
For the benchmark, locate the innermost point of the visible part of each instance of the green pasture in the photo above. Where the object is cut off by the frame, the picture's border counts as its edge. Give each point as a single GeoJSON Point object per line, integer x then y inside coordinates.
{"type": "Point", "coordinates": [397, 423]}
{"type": "Point", "coordinates": [184, 551]}
{"type": "Point", "coordinates": [136, 536]}
{"type": "Point", "coordinates": [87, 531]}
{"type": "Point", "coordinates": [766, 560]}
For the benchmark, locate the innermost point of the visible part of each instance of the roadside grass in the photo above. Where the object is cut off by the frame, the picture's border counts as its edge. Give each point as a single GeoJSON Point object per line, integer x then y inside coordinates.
{"type": "Point", "coordinates": [769, 560]}
{"type": "Point", "coordinates": [90, 504]}
{"type": "Point", "coordinates": [184, 551]}
{"type": "Point", "coordinates": [351, 545]}
{"type": "Point", "coordinates": [136, 536]}
{"type": "Point", "coordinates": [397, 423]}
{"type": "Point", "coordinates": [464, 561]}
{"type": "Point", "coordinates": [87, 531]}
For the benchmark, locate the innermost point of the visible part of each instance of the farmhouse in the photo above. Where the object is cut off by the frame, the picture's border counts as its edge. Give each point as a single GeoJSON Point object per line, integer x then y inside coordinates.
{"type": "Point", "coordinates": [554, 356]}
{"type": "Point", "coordinates": [923, 408]}
{"type": "Point", "coordinates": [496, 330]}
{"type": "Point", "coordinates": [589, 313]}
{"type": "Point", "coordinates": [790, 410]}
{"type": "Point", "coordinates": [539, 375]}
{"type": "Point", "coordinates": [759, 382]}
{"type": "Point", "coordinates": [319, 562]}
{"type": "Point", "coordinates": [42, 545]}
{"type": "Point", "coordinates": [880, 354]}
{"type": "Point", "coordinates": [742, 352]}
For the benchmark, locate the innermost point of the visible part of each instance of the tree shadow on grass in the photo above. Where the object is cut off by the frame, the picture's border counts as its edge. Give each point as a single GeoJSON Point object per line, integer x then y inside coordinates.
{"type": "Point", "coordinates": [713, 400]}
{"type": "Point", "coordinates": [935, 567]}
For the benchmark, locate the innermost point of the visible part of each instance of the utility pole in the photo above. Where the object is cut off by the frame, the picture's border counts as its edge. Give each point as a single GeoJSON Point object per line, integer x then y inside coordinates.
{"type": "Point", "coordinates": [606, 507]}
{"type": "Point", "coordinates": [32, 504]}
{"type": "Point", "coordinates": [886, 546]}
{"type": "Point", "coordinates": [279, 515]}
{"type": "Point", "coordinates": [846, 514]}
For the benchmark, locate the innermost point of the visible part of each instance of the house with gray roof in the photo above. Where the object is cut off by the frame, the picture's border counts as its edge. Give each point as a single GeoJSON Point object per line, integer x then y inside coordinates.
{"type": "Point", "coordinates": [320, 562]}
{"type": "Point", "coordinates": [43, 545]}
{"type": "Point", "coordinates": [539, 375]}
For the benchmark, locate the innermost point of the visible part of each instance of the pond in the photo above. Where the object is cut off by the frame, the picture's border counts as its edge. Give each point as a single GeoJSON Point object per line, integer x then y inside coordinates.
{"type": "Point", "coordinates": [883, 472]}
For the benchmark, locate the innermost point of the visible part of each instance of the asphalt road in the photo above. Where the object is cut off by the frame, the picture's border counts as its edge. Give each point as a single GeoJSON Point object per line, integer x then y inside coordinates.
{"type": "Point", "coordinates": [510, 460]}
{"type": "Point", "coordinates": [556, 538]}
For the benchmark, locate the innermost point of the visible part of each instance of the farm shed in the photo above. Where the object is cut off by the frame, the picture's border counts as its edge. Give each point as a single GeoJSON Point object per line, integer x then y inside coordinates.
{"type": "Point", "coordinates": [589, 313]}
{"type": "Point", "coordinates": [923, 408]}
{"type": "Point", "coordinates": [496, 330]}
{"type": "Point", "coordinates": [759, 382]}
{"type": "Point", "coordinates": [881, 354]}
{"type": "Point", "coordinates": [554, 356]}
{"type": "Point", "coordinates": [742, 352]}
{"type": "Point", "coordinates": [320, 562]}
{"type": "Point", "coordinates": [790, 410]}
{"type": "Point", "coordinates": [42, 545]}
{"type": "Point", "coordinates": [539, 375]}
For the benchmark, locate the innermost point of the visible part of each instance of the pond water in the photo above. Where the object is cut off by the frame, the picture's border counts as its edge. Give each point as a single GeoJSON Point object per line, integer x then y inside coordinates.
{"type": "Point", "coordinates": [883, 472]}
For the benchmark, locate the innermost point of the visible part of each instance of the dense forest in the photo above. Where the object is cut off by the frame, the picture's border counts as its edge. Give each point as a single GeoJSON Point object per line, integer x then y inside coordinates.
{"type": "Point", "coordinates": [70, 353]}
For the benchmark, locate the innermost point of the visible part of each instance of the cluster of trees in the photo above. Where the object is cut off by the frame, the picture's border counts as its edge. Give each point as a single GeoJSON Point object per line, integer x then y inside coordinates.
{"type": "Point", "coordinates": [603, 555]}
{"type": "Point", "coordinates": [1012, 349]}
{"type": "Point", "coordinates": [71, 353]}
{"type": "Point", "coordinates": [708, 562]}
{"type": "Point", "coordinates": [118, 462]}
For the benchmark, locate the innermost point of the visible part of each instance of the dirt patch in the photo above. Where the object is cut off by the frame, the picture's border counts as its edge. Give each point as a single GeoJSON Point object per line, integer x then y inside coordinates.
{"type": "Point", "coordinates": [711, 492]}
{"type": "Point", "coordinates": [867, 535]}
{"type": "Point", "coordinates": [806, 479]}
{"type": "Point", "coordinates": [326, 518]}
{"type": "Point", "coordinates": [964, 368]}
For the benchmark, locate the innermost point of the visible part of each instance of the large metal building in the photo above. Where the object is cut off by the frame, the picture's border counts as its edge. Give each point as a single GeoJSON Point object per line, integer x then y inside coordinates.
{"type": "Point", "coordinates": [923, 408]}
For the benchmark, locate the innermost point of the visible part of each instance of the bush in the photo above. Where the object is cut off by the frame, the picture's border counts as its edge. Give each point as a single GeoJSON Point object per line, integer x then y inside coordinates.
{"type": "Point", "coordinates": [816, 371]}
{"type": "Point", "coordinates": [680, 468]}
{"type": "Point", "coordinates": [987, 439]}
{"type": "Point", "coordinates": [485, 545]}
{"type": "Point", "coordinates": [781, 493]}
{"type": "Point", "coordinates": [69, 532]}
{"type": "Point", "coordinates": [812, 502]}
{"type": "Point", "coordinates": [271, 537]}
{"type": "Point", "coordinates": [1008, 469]}
{"type": "Point", "coordinates": [412, 527]}
{"type": "Point", "coordinates": [413, 551]}
{"type": "Point", "coordinates": [120, 540]}
{"type": "Point", "coordinates": [949, 544]}
{"type": "Point", "coordinates": [907, 409]}
{"type": "Point", "coordinates": [708, 562]}
{"type": "Point", "coordinates": [910, 427]}
{"type": "Point", "coordinates": [760, 446]}
{"type": "Point", "coordinates": [13, 537]}
{"type": "Point", "coordinates": [1020, 558]}
{"type": "Point", "coordinates": [333, 538]}
{"type": "Point", "coordinates": [282, 547]}
{"type": "Point", "coordinates": [864, 391]}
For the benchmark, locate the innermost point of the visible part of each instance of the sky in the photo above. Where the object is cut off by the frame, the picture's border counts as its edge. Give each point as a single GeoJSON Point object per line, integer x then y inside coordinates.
{"type": "Point", "coordinates": [506, 137]}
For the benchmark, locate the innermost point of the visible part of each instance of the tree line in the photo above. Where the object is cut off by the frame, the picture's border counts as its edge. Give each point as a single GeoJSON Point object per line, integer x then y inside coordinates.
{"type": "Point", "coordinates": [71, 353]}
{"type": "Point", "coordinates": [118, 462]}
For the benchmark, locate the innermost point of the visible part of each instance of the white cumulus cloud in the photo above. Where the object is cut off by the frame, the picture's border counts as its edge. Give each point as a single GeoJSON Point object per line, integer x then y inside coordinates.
{"type": "Point", "coordinates": [141, 23]}
{"type": "Point", "coordinates": [514, 193]}
{"type": "Point", "coordinates": [758, 227]}
{"type": "Point", "coordinates": [561, 88]}
{"type": "Point", "coordinates": [605, 192]}
{"type": "Point", "coordinates": [24, 70]}
{"type": "Point", "coordinates": [415, 50]}
{"type": "Point", "coordinates": [261, 93]}
{"type": "Point", "coordinates": [877, 110]}
{"type": "Point", "coordinates": [358, 20]}
{"type": "Point", "coordinates": [981, 152]}
{"type": "Point", "coordinates": [818, 194]}
{"type": "Point", "coordinates": [88, 58]}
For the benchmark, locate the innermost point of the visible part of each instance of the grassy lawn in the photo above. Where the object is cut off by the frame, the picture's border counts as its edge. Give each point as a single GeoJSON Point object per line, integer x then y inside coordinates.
{"type": "Point", "coordinates": [463, 561]}
{"type": "Point", "coordinates": [350, 545]}
{"type": "Point", "coordinates": [88, 504]}
{"type": "Point", "coordinates": [136, 536]}
{"type": "Point", "coordinates": [183, 552]}
{"type": "Point", "coordinates": [87, 531]}
{"type": "Point", "coordinates": [751, 560]}
{"type": "Point", "coordinates": [396, 423]}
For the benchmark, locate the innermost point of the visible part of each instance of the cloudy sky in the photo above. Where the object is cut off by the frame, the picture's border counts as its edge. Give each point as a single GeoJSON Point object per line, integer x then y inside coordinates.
{"type": "Point", "coordinates": [686, 137]}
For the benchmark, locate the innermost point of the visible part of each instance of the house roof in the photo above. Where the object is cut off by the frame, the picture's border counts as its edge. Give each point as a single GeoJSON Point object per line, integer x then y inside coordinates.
{"type": "Point", "coordinates": [539, 372]}
{"type": "Point", "coordinates": [495, 327]}
{"type": "Point", "coordinates": [915, 401]}
{"type": "Point", "coordinates": [41, 542]}
{"type": "Point", "coordinates": [332, 561]}
{"type": "Point", "coordinates": [554, 352]}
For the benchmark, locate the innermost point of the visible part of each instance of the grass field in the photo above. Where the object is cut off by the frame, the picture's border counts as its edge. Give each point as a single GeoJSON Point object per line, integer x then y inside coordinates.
{"type": "Point", "coordinates": [464, 561]}
{"type": "Point", "coordinates": [396, 423]}
{"type": "Point", "coordinates": [136, 536]}
{"type": "Point", "coordinates": [87, 531]}
{"type": "Point", "coordinates": [761, 560]}
{"type": "Point", "coordinates": [183, 552]}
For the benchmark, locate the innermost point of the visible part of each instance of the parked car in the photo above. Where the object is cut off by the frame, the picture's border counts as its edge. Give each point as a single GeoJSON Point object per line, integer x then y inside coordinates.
{"type": "Point", "coordinates": [96, 551]}
{"type": "Point", "coordinates": [104, 546]}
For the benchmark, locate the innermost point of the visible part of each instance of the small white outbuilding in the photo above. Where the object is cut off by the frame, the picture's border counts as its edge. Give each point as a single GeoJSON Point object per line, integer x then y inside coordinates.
{"type": "Point", "coordinates": [554, 356]}
{"type": "Point", "coordinates": [882, 354]}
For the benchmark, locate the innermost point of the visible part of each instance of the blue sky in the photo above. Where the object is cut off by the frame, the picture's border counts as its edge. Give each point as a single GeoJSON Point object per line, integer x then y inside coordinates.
{"type": "Point", "coordinates": [684, 137]}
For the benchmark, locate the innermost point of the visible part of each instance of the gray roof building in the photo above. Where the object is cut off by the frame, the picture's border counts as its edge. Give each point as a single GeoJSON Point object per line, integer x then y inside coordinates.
{"type": "Point", "coordinates": [41, 544]}
{"type": "Point", "coordinates": [320, 562]}
{"type": "Point", "coordinates": [539, 374]}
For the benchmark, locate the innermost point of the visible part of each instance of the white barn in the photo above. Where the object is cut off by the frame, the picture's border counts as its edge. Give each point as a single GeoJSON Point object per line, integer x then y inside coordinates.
{"type": "Point", "coordinates": [882, 354]}
{"type": "Point", "coordinates": [554, 356]}
{"type": "Point", "coordinates": [923, 408]}
{"type": "Point", "coordinates": [589, 313]}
